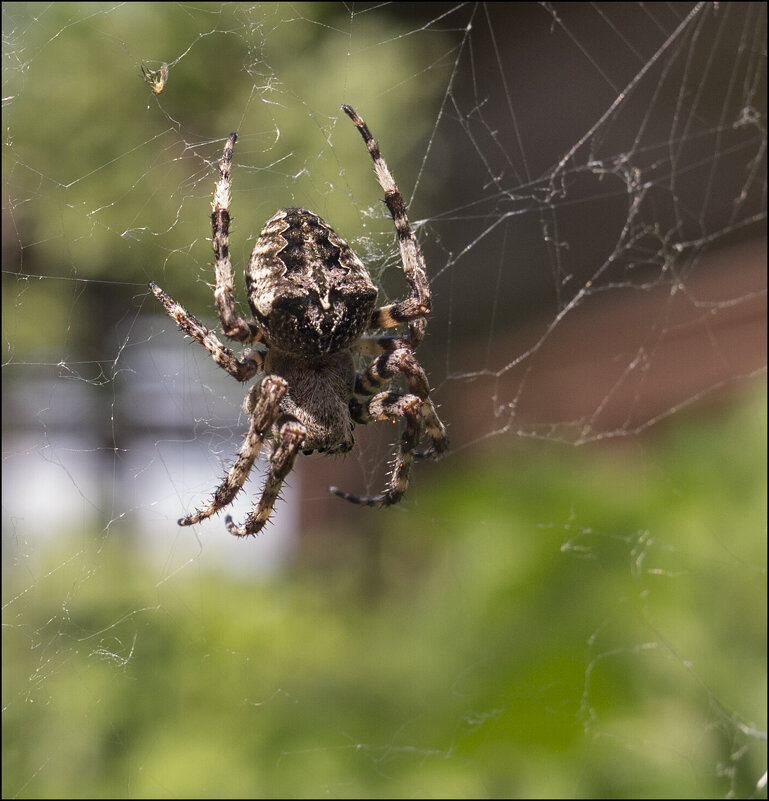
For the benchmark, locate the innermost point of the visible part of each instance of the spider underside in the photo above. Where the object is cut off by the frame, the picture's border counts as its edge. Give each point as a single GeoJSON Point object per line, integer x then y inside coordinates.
{"type": "Point", "coordinates": [312, 303]}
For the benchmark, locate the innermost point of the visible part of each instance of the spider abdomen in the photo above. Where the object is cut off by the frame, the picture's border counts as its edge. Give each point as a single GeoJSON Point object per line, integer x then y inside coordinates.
{"type": "Point", "coordinates": [309, 292]}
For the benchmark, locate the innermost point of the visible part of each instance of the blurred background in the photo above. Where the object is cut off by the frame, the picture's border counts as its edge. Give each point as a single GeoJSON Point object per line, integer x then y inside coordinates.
{"type": "Point", "coordinates": [573, 602]}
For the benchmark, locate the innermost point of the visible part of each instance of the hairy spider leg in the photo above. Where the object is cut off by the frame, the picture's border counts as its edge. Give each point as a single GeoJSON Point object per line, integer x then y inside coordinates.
{"type": "Point", "coordinates": [291, 435]}
{"type": "Point", "coordinates": [233, 325]}
{"type": "Point", "coordinates": [413, 309]}
{"type": "Point", "coordinates": [416, 409]}
{"type": "Point", "coordinates": [262, 406]}
{"type": "Point", "coordinates": [242, 369]}
{"type": "Point", "coordinates": [390, 406]}
{"type": "Point", "coordinates": [401, 360]}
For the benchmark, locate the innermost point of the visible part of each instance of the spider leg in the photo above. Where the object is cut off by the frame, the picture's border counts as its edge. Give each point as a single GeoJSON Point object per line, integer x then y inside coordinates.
{"type": "Point", "coordinates": [401, 360]}
{"type": "Point", "coordinates": [377, 345]}
{"type": "Point", "coordinates": [415, 408]}
{"type": "Point", "coordinates": [223, 356]}
{"type": "Point", "coordinates": [391, 406]}
{"type": "Point", "coordinates": [262, 405]}
{"type": "Point", "coordinates": [415, 308]}
{"type": "Point", "coordinates": [290, 438]}
{"type": "Point", "coordinates": [397, 352]}
{"type": "Point", "coordinates": [233, 325]}
{"type": "Point", "coordinates": [405, 311]}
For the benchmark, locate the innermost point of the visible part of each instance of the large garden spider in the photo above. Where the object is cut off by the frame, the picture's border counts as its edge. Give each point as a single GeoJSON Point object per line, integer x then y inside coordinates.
{"type": "Point", "coordinates": [312, 302]}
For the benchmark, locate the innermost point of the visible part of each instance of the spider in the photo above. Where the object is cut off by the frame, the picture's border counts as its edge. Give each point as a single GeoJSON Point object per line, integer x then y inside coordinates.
{"type": "Point", "coordinates": [312, 302]}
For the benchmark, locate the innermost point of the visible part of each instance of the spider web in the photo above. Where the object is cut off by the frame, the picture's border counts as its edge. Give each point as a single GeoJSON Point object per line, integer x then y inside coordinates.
{"type": "Point", "coordinates": [588, 183]}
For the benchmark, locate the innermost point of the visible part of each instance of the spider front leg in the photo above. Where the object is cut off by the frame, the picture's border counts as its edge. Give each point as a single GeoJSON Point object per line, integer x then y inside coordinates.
{"type": "Point", "coordinates": [291, 436]}
{"type": "Point", "coordinates": [262, 405]}
{"type": "Point", "coordinates": [399, 359]}
{"type": "Point", "coordinates": [391, 406]}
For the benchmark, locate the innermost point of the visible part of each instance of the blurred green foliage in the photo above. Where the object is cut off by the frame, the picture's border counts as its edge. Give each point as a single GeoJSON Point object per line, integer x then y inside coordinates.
{"type": "Point", "coordinates": [563, 623]}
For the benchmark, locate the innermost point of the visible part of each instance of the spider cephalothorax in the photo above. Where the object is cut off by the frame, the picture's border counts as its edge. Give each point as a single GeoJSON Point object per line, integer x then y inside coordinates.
{"type": "Point", "coordinates": [312, 302]}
